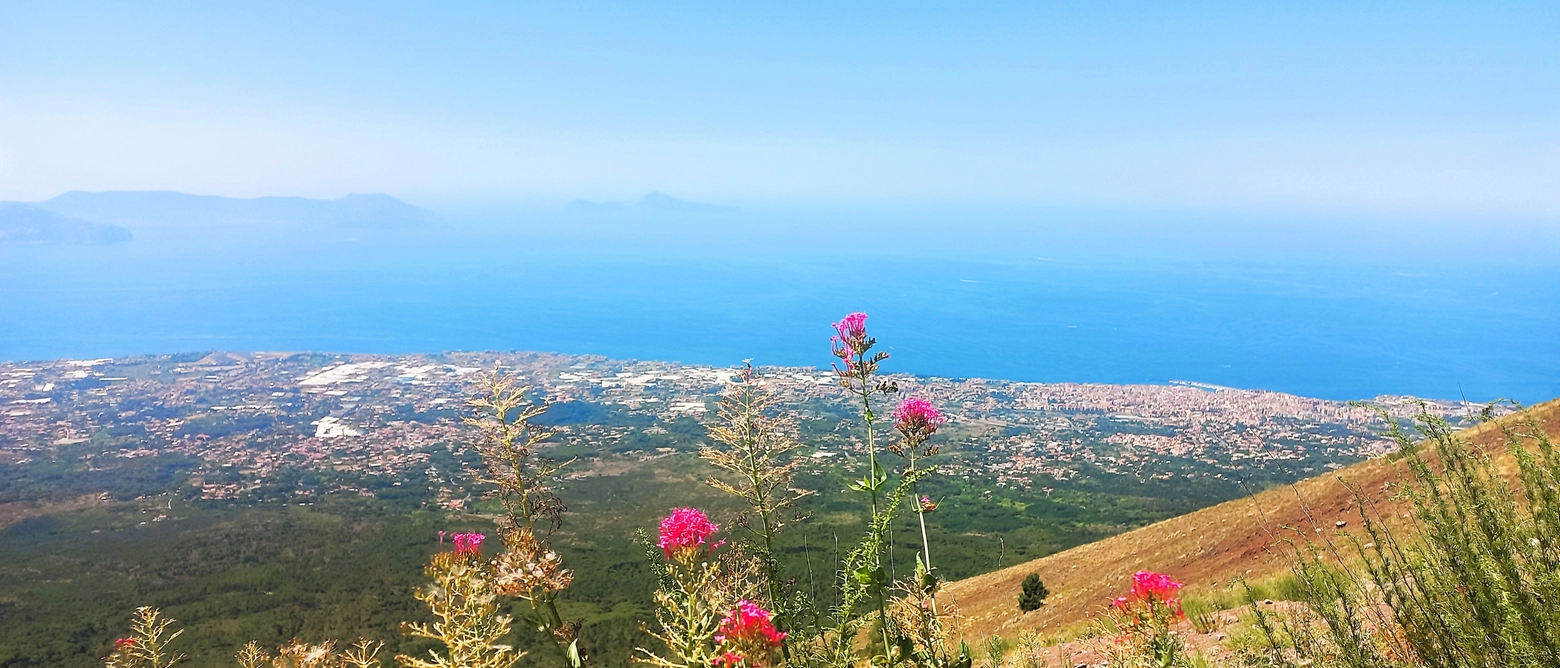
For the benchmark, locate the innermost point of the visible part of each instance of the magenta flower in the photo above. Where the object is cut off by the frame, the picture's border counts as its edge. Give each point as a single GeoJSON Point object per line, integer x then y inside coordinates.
{"type": "Point", "coordinates": [853, 326]}
{"type": "Point", "coordinates": [927, 504]}
{"type": "Point", "coordinates": [685, 532]}
{"type": "Point", "coordinates": [917, 415]}
{"type": "Point", "coordinates": [1151, 591]}
{"type": "Point", "coordinates": [850, 339]}
{"type": "Point", "coordinates": [748, 636]}
{"type": "Point", "coordinates": [468, 543]}
{"type": "Point", "coordinates": [1150, 585]}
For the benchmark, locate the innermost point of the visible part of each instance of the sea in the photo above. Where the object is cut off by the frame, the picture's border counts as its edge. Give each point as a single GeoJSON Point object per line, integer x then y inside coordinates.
{"type": "Point", "coordinates": [1336, 329]}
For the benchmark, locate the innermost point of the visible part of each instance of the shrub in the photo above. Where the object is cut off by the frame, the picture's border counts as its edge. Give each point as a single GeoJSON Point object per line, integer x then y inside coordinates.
{"type": "Point", "coordinates": [1034, 593]}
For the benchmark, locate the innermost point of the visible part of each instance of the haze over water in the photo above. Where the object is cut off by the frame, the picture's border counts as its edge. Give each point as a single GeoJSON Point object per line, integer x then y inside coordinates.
{"type": "Point", "coordinates": [1334, 327]}
{"type": "Point", "coordinates": [1337, 200]}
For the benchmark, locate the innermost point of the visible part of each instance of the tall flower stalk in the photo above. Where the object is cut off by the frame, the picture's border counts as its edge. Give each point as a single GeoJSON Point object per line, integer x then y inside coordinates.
{"type": "Point", "coordinates": [703, 613]}
{"type": "Point", "coordinates": [917, 420]}
{"type": "Point", "coordinates": [854, 349]}
{"type": "Point", "coordinates": [523, 482]}
{"type": "Point", "coordinates": [756, 452]}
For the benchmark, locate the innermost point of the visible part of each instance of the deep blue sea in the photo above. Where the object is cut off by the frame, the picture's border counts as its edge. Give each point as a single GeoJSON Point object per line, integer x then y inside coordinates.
{"type": "Point", "coordinates": [1341, 330]}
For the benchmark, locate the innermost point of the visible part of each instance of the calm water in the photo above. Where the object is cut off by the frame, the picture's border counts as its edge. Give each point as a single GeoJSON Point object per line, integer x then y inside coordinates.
{"type": "Point", "coordinates": [1343, 331]}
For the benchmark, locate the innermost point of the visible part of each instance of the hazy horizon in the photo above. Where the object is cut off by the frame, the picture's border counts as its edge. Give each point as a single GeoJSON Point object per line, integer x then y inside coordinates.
{"type": "Point", "coordinates": [1335, 200]}
{"type": "Point", "coordinates": [1392, 111]}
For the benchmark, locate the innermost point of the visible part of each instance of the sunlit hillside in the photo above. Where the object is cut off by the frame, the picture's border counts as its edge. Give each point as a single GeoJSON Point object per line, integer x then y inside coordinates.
{"type": "Point", "coordinates": [1206, 549]}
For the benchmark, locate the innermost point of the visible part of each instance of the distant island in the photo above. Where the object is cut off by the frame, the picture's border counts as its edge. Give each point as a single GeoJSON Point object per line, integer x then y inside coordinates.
{"type": "Point", "coordinates": [114, 216]}
{"type": "Point", "coordinates": [655, 202]}
{"type": "Point", "coordinates": [28, 223]}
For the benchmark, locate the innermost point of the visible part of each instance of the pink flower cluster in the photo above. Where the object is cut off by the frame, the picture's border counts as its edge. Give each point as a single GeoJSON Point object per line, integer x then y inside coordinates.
{"type": "Point", "coordinates": [685, 532]}
{"type": "Point", "coordinates": [1150, 588]}
{"type": "Point", "coordinates": [918, 415]}
{"type": "Point", "coordinates": [468, 543]}
{"type": "Point", "coordinates": [851, 336]}
{"type": "Point", "coordinates": [1148, 584]}
{"type": "Point", "coordinates": [748, 636]}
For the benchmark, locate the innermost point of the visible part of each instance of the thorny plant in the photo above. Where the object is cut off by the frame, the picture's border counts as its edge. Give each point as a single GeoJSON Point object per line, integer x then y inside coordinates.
{"type": "Point", "coordinates": [147, 644]}
{"type": "Point", "coordinates": [465, 604]}
{"type": "Point", "coordinates": [925, 631]}
{"type": "Point", "coordinates": [757, 452]}
{"type": "Point", "coordinates": [1474, 584]}
{"type": "Point", "coordinates": [524, 483]}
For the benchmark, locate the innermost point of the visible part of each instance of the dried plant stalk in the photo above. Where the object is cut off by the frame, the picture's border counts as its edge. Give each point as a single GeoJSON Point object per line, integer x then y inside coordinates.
{"type": "Point", "coordinates": [756, 450]}
{"type": "Point", "coordinates": [147, 644]}
{"type": "Point", "coordinates": [465, 606]}
{"type": "Point", "coordinates": [524, 483]}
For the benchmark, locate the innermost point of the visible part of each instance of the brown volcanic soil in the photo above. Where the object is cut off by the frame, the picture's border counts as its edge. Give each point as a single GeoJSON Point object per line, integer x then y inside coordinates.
{"type": "Point", "coordinates": [1205, 549]}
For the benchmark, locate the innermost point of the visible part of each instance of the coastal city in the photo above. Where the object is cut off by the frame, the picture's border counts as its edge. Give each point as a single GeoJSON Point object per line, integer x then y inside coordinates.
{"type": "Point", "coordinates": [395, 420]}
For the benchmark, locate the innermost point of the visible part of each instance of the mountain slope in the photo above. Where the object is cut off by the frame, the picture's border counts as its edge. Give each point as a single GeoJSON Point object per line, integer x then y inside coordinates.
{"type": "Point", "coordinates": [27, 223]}
{"type": "Point", "coordinates": [1204, 549]}
{"type": "Point", "coordinates": [173, 210]}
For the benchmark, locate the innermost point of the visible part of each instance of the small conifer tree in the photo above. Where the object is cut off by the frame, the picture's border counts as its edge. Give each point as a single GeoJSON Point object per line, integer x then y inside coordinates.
{"type": "Point", "coordinates": [1034, 593]}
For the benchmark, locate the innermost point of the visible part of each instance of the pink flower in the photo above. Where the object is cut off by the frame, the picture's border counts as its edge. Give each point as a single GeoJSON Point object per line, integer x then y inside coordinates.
{"type": "Point", "coordinates": [927, 505]}
{"type": "Point", "coordinates": [468, 543]}
{"type": "Point", "coordinates": [748, 635]}
{"type": "Point", "coordinates": [851, 336]}
{"type": "Point", "coordinates": [1153, 591]}
{"type": "Point", "coordinates": [1148, 585]}
{"type": "Point", "coordinates": [853, 326]}
{"type": "Point", "coordinates": [918, 415]}
{"type": "Point", "coordinates": [685, 531]}
{"type": "Point", "coordinates": [124, 642]}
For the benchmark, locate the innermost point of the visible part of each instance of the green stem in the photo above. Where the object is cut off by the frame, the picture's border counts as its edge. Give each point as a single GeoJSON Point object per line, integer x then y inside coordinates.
{"type": "Point", "coordinates": [926, 545]}
{"type": "Point", "coordinates": [872, 483]}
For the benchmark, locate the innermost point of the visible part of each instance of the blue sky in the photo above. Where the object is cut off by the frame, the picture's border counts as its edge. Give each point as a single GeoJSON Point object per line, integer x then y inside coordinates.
{"type": "Point", "coordinates": [1391, 110]}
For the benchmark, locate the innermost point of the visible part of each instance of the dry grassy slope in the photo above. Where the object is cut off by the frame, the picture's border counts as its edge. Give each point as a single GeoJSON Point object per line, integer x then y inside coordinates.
{"type": "Point", "coordinates": [1205, 549]}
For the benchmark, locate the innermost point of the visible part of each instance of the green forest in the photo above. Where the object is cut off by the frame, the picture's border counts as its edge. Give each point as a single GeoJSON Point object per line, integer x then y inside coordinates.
{"type": "Point", "coordinates": [272, 567]}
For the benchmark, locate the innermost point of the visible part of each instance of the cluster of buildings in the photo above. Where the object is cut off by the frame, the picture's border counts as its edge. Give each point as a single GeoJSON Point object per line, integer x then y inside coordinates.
{"type": "Point", "coordinates": [396, 419]}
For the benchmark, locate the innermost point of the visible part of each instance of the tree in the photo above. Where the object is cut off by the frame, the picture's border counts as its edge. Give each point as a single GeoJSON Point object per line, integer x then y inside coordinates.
{"type": "Point", "coordinates": [1034, 593]}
